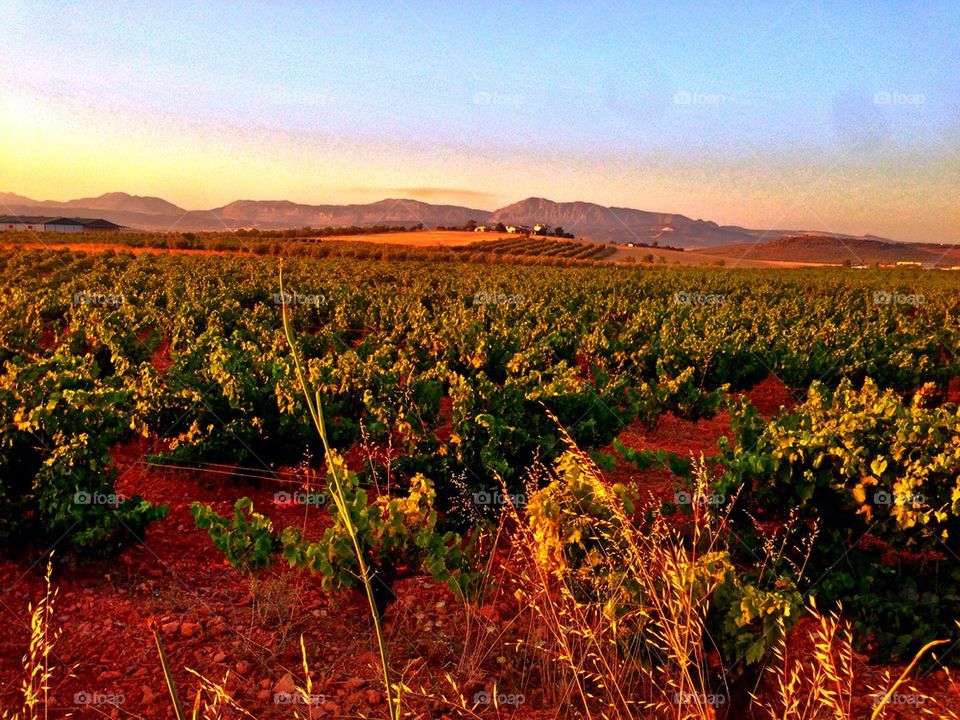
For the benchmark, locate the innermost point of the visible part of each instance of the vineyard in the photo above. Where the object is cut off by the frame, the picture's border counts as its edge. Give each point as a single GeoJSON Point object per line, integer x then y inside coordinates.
{"type": "Point", "coordinates": [373, 243]}
{"type": "Point", "coordinates": [477, 469]}
{"type": "Point", "coordinates": [541, 247]}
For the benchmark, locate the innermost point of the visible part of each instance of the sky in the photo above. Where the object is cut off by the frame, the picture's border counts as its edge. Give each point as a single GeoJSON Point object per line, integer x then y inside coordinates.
{"type": "Point", "coordinates": [840, 116]}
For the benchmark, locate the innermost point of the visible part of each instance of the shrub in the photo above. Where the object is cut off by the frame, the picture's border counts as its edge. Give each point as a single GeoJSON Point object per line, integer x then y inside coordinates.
{"type": "Point", "coordinates": [58, 420]}
{"type": "Point", "coordinates": [247, 539]}
{"type": "Point", "coordinates": [395, 534]}
{"type": "Point", "coordinates": [880, 478]}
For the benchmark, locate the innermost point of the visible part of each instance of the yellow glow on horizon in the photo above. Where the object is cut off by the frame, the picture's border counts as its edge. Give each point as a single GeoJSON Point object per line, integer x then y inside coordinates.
{"type": "Point", "coordinates": [57, 149]}
{"type": "Point", "coordinates": [53, 152]}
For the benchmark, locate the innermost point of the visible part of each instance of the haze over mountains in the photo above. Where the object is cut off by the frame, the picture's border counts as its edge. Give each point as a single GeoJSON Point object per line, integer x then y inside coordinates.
{"type": "Point", "coordinates": [587, 220]}
{"type": "Point", "coordinates": [115, 201]}
{"type": "Point", "coordinates": [151, 213]}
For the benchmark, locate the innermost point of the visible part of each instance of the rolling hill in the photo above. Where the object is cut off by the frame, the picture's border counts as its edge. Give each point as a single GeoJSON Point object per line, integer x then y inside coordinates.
{"type": "Point", "coordinates": [834, 249]}
{"type": "Point", "coordinates": [391, 211]}
{"type": "Point", "coordinates": [621, 225]}
{"type": "Point", "coordinates": [586, 220]}
{"type": "Point", "coordinates": [113, 202]}
{"type": "Point", "coordinates": [150, 213]}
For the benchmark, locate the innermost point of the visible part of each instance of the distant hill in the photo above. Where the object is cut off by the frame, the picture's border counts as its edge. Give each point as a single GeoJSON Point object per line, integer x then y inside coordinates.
{"type": "Point", "coordinates": [123, 202]}
{"type": "Point", "coordinates": [583, 219]}
{"type": "Point", "coordinates": [149, 213]}
{"type": "Point", "coordinates": [833, 249]}
{"type": "Point", "coordinates": [115, 202]}
{"type": "Point", "coordinates": [282, 213]}
{"type": "Point", "coordinates": [618, 224]}
{"type": "Point", "coordinates": [9, 198]}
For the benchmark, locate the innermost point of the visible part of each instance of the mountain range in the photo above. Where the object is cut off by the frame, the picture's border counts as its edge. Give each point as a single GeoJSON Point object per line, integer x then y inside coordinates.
{"type": "Point", "coordinates": [584, 219]}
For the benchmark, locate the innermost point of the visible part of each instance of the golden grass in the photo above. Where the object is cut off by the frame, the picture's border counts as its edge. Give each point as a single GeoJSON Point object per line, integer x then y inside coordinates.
{"type": "Point", "coordinates": [37, 672]}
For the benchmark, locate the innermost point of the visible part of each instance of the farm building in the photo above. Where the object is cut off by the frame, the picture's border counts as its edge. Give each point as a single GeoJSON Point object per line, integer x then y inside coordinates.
{"type": "Point", "coordinates": [55, 224]}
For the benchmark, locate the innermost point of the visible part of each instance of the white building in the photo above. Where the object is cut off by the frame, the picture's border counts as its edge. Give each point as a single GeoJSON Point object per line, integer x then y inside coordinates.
{"type": "Point", "coordinates": [30, 223]}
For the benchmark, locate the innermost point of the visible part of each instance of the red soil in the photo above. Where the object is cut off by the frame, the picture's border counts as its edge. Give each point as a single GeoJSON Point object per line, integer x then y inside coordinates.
{"type": "Point", "coordinates": [162, 359]}
{"type": "Point", "coordinates": [204, 608]}
{"type": "Point", "coordinates": [689, 439]}
{"type": "Point", "coordinates": [770, 395]}
{"type": "Point", "coordinates": [211, 621]}
{"type": "Point", "coordinates": [953, 391]}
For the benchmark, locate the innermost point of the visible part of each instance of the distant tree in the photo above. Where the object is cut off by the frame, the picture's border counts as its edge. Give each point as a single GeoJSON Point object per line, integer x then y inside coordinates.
{"type": "Point", "coordinates": [501, 228]}
{"type": "Point", "coordinates": [471, 225]}
{"type": "Point", "coordinates": [558, 232]}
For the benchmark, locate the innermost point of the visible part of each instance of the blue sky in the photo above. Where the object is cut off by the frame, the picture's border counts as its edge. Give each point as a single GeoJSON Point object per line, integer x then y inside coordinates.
{"type": "Point", "coordinates": [730, 111]}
